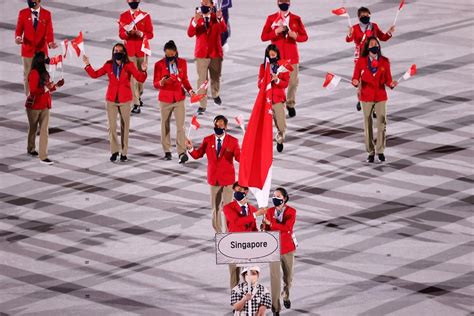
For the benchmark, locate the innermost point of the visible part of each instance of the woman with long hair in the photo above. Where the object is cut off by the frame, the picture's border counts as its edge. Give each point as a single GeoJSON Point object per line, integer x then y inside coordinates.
{"type": "Point", "coordinates": [372, 72]}
{"type": "Point", "coordinates": [119, 96]}
{"type": "Point", "coordinates": [38, 105]}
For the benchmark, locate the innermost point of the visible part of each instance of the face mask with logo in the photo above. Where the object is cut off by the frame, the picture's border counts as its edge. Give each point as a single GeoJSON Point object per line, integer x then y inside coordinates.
{"type": "Point", "coordinates": [277, 201]}
{"type": "Point", "coordinates": [218, 131]}
{"type": "Point", "coordinates": [133, 5]}
{"type": "Point", "coordinates": [205, 9]}
{"type": "Point", "coordinates": [32, 4]}
{"type": "Point", "coordinates": [284, 6]}
{"type": "Point", "coordinates": [239, 196]}
{"type": "Point", "coordinates": [365, 19]}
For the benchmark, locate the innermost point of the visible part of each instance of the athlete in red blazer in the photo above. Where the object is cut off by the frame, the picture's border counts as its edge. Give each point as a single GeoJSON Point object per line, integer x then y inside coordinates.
{"type": "Point", "coordinates": [237, 221]}
{"type": "Point", "coordinates": [278, 86]}
{"type": "Point", "coordinates": [285, 227]}
{"type": "Point", "coordinates": [373, 85]}
{"type": "Point", "coordinates": [118, 89]}
{"type": "Point", "coordinates": [208, 40]}
{"type": "Point", "coordinates": [171, 91]}
{"type": "Point", "coordinates": [133, 39]}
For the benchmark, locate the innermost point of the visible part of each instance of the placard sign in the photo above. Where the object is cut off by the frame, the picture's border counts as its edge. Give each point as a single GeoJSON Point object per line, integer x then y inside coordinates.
{"type": "Point", "coordinates": [247, 248]}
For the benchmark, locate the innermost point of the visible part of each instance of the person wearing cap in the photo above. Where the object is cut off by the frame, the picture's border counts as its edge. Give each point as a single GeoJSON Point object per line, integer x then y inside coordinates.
{"type": "Point", "coordinates": [208, 27]}
{"type": "Point", "coordinates": [34, 32]}
{"type": "Point", "coordinates": [171, 78]}
{"type": "Point", "coordinates": [286, 30]}
{"type": "Point", "coordinates": [241, 217]}
{"type": "Point", "coordinates": [133, 40]}
{"type": "Point", "coordinates": [281, 218]}
{"type": "Point", "coordinates": [250, 290]}
{"type": "Point", "coordinates": [221, 150]}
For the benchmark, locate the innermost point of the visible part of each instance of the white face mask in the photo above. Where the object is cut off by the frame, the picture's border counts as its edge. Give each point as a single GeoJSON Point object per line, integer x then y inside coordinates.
{"type": "Point", "coordinates": [252, 279]}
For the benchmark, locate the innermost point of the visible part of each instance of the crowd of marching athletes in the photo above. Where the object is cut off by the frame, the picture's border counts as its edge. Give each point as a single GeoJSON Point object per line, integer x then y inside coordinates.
{"type": "Point", "coordinates": [277, 82]}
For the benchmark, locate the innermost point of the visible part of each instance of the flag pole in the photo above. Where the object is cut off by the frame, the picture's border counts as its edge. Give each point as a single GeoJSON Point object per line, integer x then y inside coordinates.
{"type": "Point", "coordinates": [396, 17]}
{"type": "Point", "coordinates": [349, 20]}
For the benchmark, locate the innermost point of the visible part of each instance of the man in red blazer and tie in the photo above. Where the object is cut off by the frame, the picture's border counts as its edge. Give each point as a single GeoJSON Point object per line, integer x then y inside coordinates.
{"type": "Point", "coordinates": [208, 28]}
{"type": "Point", "coordinates": [141, 26]}
{"type": "Point", "coordinates": [241, 217]}
{"type": "Point", "coordinates": [34, 32]}
{"type": "Point", "coordinates": [285, 30]}
{"type": "Point", "coordinates": [221, 149]}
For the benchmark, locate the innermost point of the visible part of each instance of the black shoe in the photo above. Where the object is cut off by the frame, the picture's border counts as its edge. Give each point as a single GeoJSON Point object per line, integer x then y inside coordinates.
{"type": "Point", "coordinates": [201, 111]}
{"type": "Point", "coordinates": [218, 101]}
{"type": "Point", "coordinates": [287, 304]}
{"type": "Point", "coordinates": [47, 161]}
{"type": "Point", "coordinates": [183, 158]}
{"type": "Point", "coordinates": [114, 157]}
{"type": "Point", "coordinates": [279, 147]}
{"type": "Point", "coordinates": [168, 156]}
{"type": "Point", "coordinates": [358, 106]}
{"type": "Point", "coordinates": [276, 313]}
{"type": "Point", "coordinates": [141, 102]}
{"type": "Point", "coordinates": [291, 112]}
{"type": "Point", "coordinates": [381, 157]}
{"type": "Point", "coordinates": [33, 153]}
{"type": "Point", "coordinates": [123, 158]}
{"type": "Point", "coordinates": [371, 159]}
{"type": "Point", "coordinates": [374, 115]}
{"type": "Point", "coordinates": [136, 109]}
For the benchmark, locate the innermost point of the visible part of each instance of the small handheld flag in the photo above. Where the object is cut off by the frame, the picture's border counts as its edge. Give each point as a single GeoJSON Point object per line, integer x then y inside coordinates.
{"type": "Point", "coordinates": [342, 12]}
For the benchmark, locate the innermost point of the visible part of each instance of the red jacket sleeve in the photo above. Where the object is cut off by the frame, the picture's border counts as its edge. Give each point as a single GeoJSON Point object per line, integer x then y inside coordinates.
{"type": "Point", "coordinates": [237, 151]}
{"type": "Point", "coordinates": [122, 33]}
{"type": "Point", "coordinates": [284, 80]}
{"type": "Point", "coordinates": [388, 74]}
{"type": "Point", "coordinates": [381, 35]}
{"type": "Point", "coordinates": [139, 75]}
{"type": "Point", "coordinates": [357, 70]}
{"type": "Point", "coordinates": [148, 27]}
{"type": "Point", "coordinates": [19, 26]}
{"type": "Point", "coordinates": [350, 38]}
{"type": "Point", "coordinates": [157, 76]}
{"type": "Point", "coordinates": [288, 224]}
{"type": "Point", "coordinates": [192, 28]}
{"type": "Point", "coordinates": [96, 73]}
{"type": "Point", "coordinates": [49, 30]}
{"type": "Point", "coordinates": [302, 34]}
{"type": "Point", "coordinates": [268, 33]}
{"type": "Point", "coordinates": [199, 152]}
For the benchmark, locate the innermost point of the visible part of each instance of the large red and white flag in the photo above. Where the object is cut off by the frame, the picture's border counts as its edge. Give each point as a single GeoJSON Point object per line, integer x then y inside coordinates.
{"type": "Point", "coordinates": [146, 46]}
{"type": "Point", "coordinates": [331, 81]}
{"type": "Point", "coordinates": [410, 72]}
{"type": "Point", "coordinates": [255, 170]}
{"type": "Point", "coordinates": [78, 44]}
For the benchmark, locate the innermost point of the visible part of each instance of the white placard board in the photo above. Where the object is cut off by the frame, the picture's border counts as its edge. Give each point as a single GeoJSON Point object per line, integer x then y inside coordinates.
{"type": "Point", "coordinates": [247, 248]}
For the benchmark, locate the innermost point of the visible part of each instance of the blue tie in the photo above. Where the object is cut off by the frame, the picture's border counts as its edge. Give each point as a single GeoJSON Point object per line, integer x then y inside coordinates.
{"type": "Point", "coordinates": [219, 146]}
{"type": "Point", "coordinates": [35, 22]}
{"type": "Point", "coordinates": [244, 210]}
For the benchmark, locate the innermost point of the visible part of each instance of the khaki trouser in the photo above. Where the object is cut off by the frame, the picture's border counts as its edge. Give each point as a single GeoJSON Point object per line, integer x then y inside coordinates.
{"type": "Point", "coordinates": [234, 272]}
{"type": "Point", "coordinates": [38, 118]}
{"type": "Point", "coordinates": [209, 67]}
{"type": "Point", "coordinates": [279, 116]}
{"type": "Point", "coordinates": [220, 195]}
{"type": "Point", "coordinates": [123, 110]}
{"type": "Point", "coordinates": [286, 264]}
{"type": "Point", "coordinates": [179, 110]}
{"type": "Point", "coordinates": [292, 87]}
{"type": "Point", "coordinates": [381, 109]}
{"type": "Point", "coordinates": [27, 61]}
{"type": "Point", "coordinates": [137, 87]}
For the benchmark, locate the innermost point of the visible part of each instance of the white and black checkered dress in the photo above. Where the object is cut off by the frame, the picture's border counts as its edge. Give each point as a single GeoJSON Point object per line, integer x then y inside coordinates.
{"type": "Point", "coordinates": [261, 297]}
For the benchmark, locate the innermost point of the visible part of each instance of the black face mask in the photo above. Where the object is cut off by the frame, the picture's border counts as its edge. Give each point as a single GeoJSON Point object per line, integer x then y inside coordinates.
{"type": "Point", "coordinates": [219, 131]}
{"type": "Point", "coordinates": [273, 60]}
{"type": "Point", "coordinates": [170, 59]}
{"type": "Point", "coordinates": [133, 5]}
{"type": "Point", "coordinates": [277, 201]}
{"type": "Point", "coordinates": [205, 9]}
{"type": "Point", "coordinates": [374, 50]}
{"type": "Point", "coordinates": [119, 56]}
{"type": "Point", "coordinates": [239, 196]}
{"type": "Point", "coordinates": [365, 19]}
{"type": "Point", "coordinates": [32, 4]}
{"type": "Point", "coordinates": [284, 6]}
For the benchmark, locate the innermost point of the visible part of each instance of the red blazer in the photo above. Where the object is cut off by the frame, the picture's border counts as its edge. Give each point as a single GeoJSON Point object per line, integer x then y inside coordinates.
{"type": "Point", "coordinates": [220, 170]}
{"type": "Point", "coordinates": [172, 91]}
{"type": "Point", "coordinates": [34, 41]}
{"type": "Point", "coordinates": [278, 89]}
{"type": "Point", "coordinates": [236, 222]}
{"type": "Point", "coordinates": [118, 88]}
{"type": "Point", "coordinates": [41, 94]}
{"type": "Point", "coordinates": [133, 43]}
{"type": "Point", "coordinates": [285, 228]}
{"type": "Point", "coordinates": [286, 45]}
{"type": "Point", "coordinates": [208, 41]}
{"type": "Point", "coordinates": [359, 37]}
{"type": "Point", "coordinates": [373, 86]}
